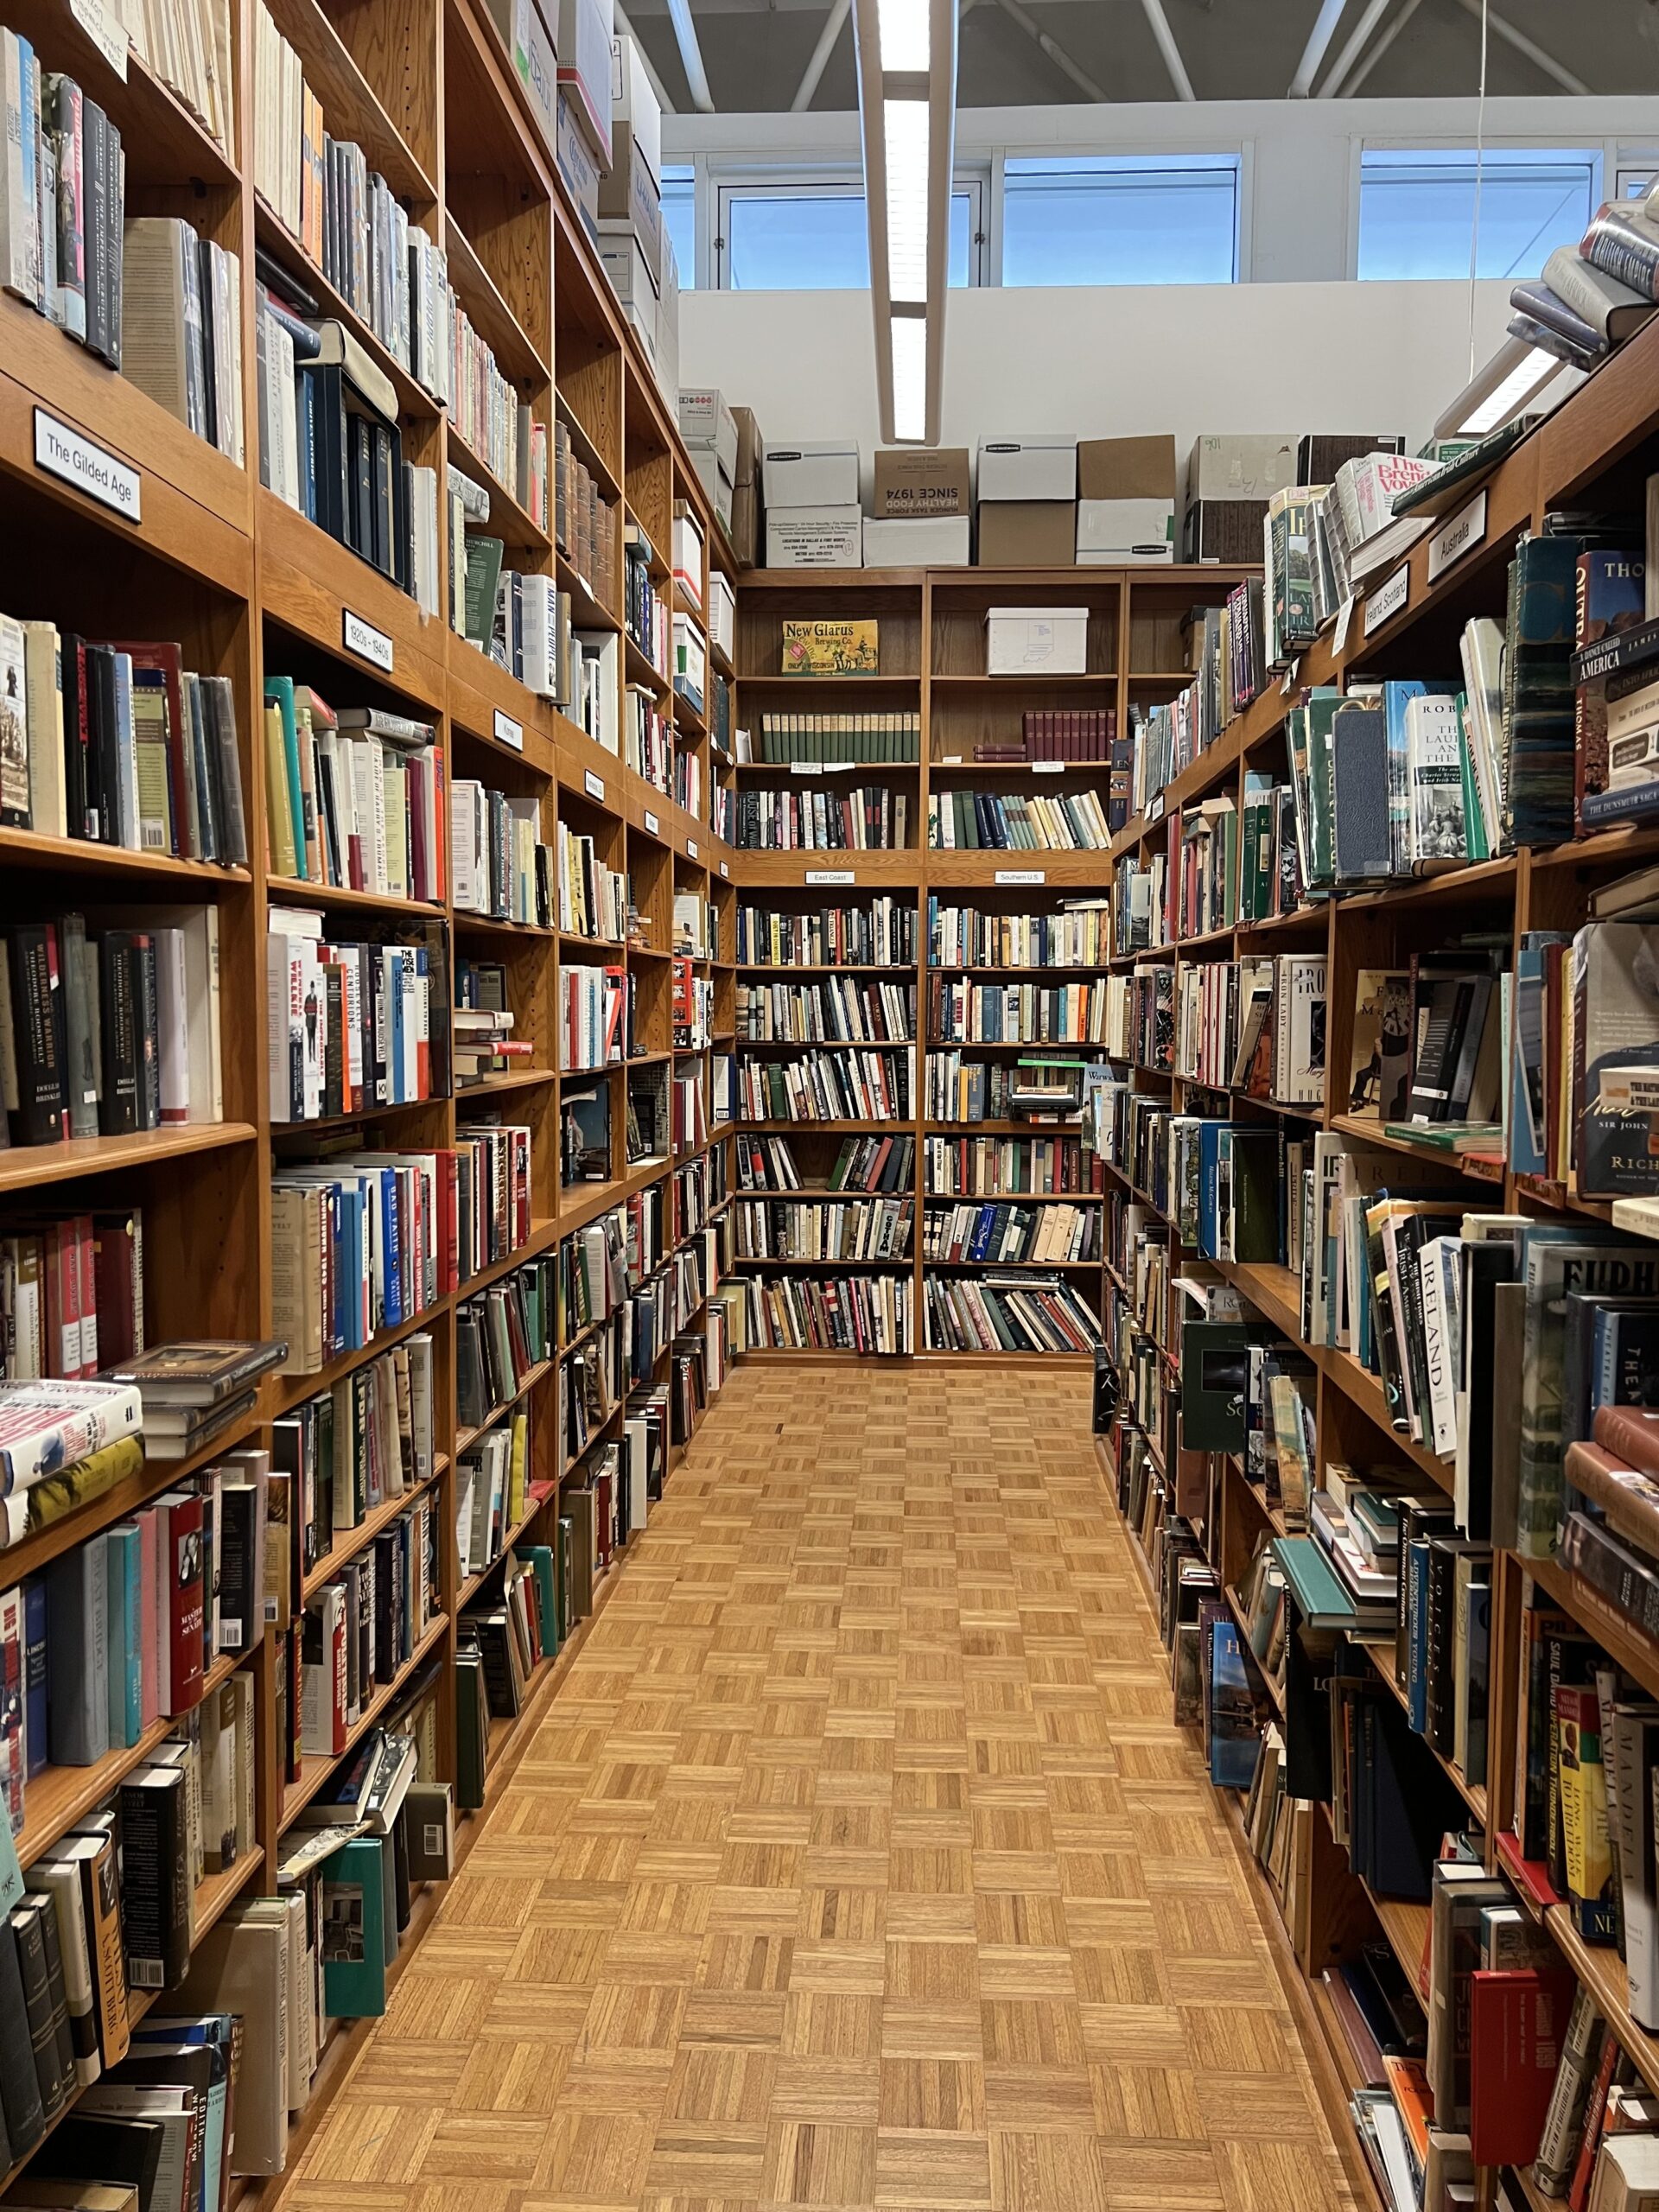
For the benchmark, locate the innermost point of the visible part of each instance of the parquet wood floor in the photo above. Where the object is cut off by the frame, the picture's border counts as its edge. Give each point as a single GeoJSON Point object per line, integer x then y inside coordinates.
{"type": "Point", "coordinates": [855, 1862]}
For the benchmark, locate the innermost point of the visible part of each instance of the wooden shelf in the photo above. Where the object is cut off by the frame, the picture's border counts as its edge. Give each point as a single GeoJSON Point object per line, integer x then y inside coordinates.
{"type": "Point", "coordinates": [465, 1438]}
{"type": "Point", "coordinates": [316, 1767]}
{"type": "Point", "coordinates": [350, 1541]}
{"type": "Point", "coordinates": [127, 870]}
{"type": "Point", "coordinates": [31, 1166]}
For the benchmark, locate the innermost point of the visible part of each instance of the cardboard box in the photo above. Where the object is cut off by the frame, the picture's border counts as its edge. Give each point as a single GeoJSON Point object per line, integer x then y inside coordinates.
{"type": "Point", "coordinates": [913, 480]}
{"type": "Point", "coordinates": [1126, 504]}
{"type": "Point", "coordinates": [633, 281]}
{"type": "Point", "coordinates": [821, 475]}
{"type": "Point", "coordinates": [717, 486]}
{"type": "Point", "coordinates": [748, 520]}
{"type": "Point", "coordinates": [687, 552]}
{"type": "Point", "coordinates": [529, 40]}
{"type": "Point", "coordinates": [584, 50]}
{"type": "Point", "coordinates": [828, 537]}
{"type": "Point", "coordinates": [1044, 467]}
{"type": "Point", "coordinates": [628, 193]}
{"type": "Point", "coordinates": [706, 420]}
{"type": "Point", "coordinates": [1037, 641]}
{"type": "Point", "coordinates": [634, 106]}
{"type": "Point", "coordinates": [668, 328]}
{"type": "Point", "coordinates": [916, 541]}
{"type": "Point", "coordinates": [1028, 534]}
{"type": "Point", "coordinates": [723, 614]}
{"type": "Point", "coordinates": [576, 165]}
{"type": "Point", "coordinates": [1243, 467]}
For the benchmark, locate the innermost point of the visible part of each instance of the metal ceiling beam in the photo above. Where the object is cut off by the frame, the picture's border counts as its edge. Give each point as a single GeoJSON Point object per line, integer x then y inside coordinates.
{"type": "Point", "coordinates": [1167, 48]}
{"type": "Point", "coordinates": [685, 38]}
{"type": "Point", "coordinates": [1530, 47]}
{"type": "Point", "coordinates": [1325, 25]}
{"type": "Point", "coordinates": [1351, 88]}
{"type": "Point", "coordinates": [1354, 47]}
{"type": "Point", "coordinates": [1056, 53]}
{"type": "Point", "coordinates": [813, 76]}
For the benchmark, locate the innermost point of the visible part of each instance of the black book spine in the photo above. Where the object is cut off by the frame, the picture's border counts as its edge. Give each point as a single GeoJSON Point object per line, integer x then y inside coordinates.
{"type": "Point", "coordinates": [20, 2088]}
{"type": "Point", "coordinates": [64, 2023]}
{"type": "Point", "coordinates": [120, 1111]}
{"type": "Point", "coordinates": [150, 1093]}
{"type": "Point", "coordinates": [76, 736]}
{"type": "Point", "coordinates": [115, 195]}
{"type": "Point", "coordinates": [48, 2029]}
{"type": "Point", "coordinates": [105, 757]}
{"type": "Point", "coordinates": [240, 1605]}
{"type": "Point", "coordinates": [37, 1032]}
{"type": "Point", "coordinates": [94, 130]}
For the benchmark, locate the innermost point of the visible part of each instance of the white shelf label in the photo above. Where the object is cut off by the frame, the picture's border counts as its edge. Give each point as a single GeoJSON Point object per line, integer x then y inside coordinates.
{"type": "Point", "coordinates": [509, 732]}
{"type": "Point", "coordinates": [1155, 807]}
{"type": "Point", "coordinates": [592, 785]}
{"type": "Point", "coordinates": [692, 847]}
{"type": "Point", "coordinates": [1048, 767]}
{"type": "Point", "coordinates": [806, 768]}
{"type": "Point", "coordinates": [362, 638]}
{"type": "Point", "coordinates": [724, 870]}
{"type": "Point", "coordinates": [650, 822]}
{"type": "Point", "coordinates": [1021, 876]}
{"type": "Point", "coordinates": [1387, 599]}
{"type": "Point", "coordinates": [1291, 675]}
{"type": "Point", "coordinates": [66, 454]}
{"type": "Point", "coordinates": [111, 39]}
{"type": "Point", "coordinates": [1344, 623]}
{"type": "Point", "coordinates": [830, 875]}
{"type": "Point", "coordinates": [1459, 536]}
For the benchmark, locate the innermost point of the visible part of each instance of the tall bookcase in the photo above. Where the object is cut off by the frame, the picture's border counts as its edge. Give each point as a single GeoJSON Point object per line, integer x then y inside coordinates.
{"type": "Point", "coordinates": [205, 557]}
{"type": "Point", "coordinates": [1594, 453]}
{"type": "Point", "coordinates": [931, 647]}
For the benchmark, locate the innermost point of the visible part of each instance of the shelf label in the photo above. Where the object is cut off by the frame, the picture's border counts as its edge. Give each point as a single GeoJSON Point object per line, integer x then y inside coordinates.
{"type": "Point", "coordinates": [806, 768]}
{"type": "Point", "coordinates": [1344, 623]}
{"type": "Point", "coordinates": [1155, 807]}
{"type": "Point", "coordinates": [1461, 535]}
{"type": "Point", "coordinates": [724, 870]}
{"type": "Point", "coordinates": [508, 731]}
{"type": "Point", "coordinates": [1048, 767]}
{"type": "Point", "coordinates": [66, 454]}
{"type": "Point", "coordinates": [691, 848]}
{"type": "Point", "coordinates": [592, 785]}
{"type": "Point", "coordinates": [110, 40]}
{"type": "Point", "coordinates": [362, 638]}
{"type": "Point", "coordinates": [830, 875]}
{"type": "Point", "coordinates": [651, 824]}
{"type": "Point", "coordinates": [1387, 599]}
{"type": "Point", "coordinates": [1021, 876]}
{"type": "Point", "coordinates": [1291, 675]}
{"type": "Point", "coordinates": [951, 760]}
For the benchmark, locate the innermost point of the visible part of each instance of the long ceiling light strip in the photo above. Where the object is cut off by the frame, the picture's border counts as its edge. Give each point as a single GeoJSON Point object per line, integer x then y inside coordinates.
{"type": "Point", "coordinates": [908, 106]}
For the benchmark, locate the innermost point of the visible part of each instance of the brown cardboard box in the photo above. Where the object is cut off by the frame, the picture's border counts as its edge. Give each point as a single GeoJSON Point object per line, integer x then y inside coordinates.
{"type": "Point", "coordinates": [628, 193]}
{"type": "Point", "coordinates": [1126, 468]}
{"type": "Point", "coordinates": [748, 533]}
{"type": "Point", "coordinates": [1027, 534]}
{"type": "Point", "coordinates": [917, 480]}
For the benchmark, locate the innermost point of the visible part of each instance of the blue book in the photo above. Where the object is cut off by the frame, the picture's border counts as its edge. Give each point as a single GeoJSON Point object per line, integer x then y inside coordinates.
{"type": "Point", "coordinates": [1395, 696]}
{"type": "Point", "coordinates": [1209, 1183]}
{"type": "Point", "coordinates": [1234, 1738]}
{"type": "Point", "coordinates": [36, 1752]}
{"type": "Point", "coordinates": [211, 2031]}
{"type": "Point", "coordinates": [126, 1634]}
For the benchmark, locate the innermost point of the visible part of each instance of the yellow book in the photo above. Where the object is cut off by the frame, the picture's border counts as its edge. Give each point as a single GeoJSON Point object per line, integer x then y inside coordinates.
{"type": "Point", "coordinates": [278, 817]}
{"type": "Point", "coordinates": [847, 648]}
{"type": "Point", "coordinates": [518, 1469]}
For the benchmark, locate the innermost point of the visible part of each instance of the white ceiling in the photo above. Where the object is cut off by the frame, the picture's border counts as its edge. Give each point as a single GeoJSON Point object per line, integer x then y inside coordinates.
{"type": "Point", "coordinates": [756, 52]}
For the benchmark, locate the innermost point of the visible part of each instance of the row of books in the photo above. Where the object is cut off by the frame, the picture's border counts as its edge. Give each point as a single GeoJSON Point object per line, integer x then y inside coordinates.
{"type": "Point", "coordinates": [1257, 1026]}
{"type": "Point", "coordinates": [500, 1337]}
{"type": "Point", "coordinates": [860, 1314]}
{"type": "Point", "coordinates": [967, 937]}
{"type": "Point", "coordinates": [592, 896]}
{"type": "Point", "coordinates": [1006, 1314]}
{"type": "Point", "coordinates": [849, 1229]}
{"type": "Point", "coordinates": [584, 520]}
{"type": "Point", "coordinates": [870, 1164]}
{"type": "Point", "coordinates": [493, 1493]}
{"type": "Point", "coordinates": [998, 1234]}
{"type": "Point", "coordinates": [1585, 301]}
{"type": "Point", "coordinates": [71, 1295]}
{"type": "Point", "coordinates": [881, 933]}
{"type": "Point", "coordinates": [871, 818]}
{"type": "Point", "coordinates": [354, 799]}
{"type": "Point", "coordinates": [1229, 656]}
{"type": "Point", "coordinates": [596, 1016]}
{"type": "Point", "coordinates": [179, 301]}
{"type": "Point", "coordinates": [369, 1240]}
{"type": "Point", "coordinates": [648, 739]}
{"type": "Point", "coordinates": [853, 1086]}
{"type": "Point", "coordinates": [647, 615]}
{"type": "Point", "coordinates": [118, 744]}
{"type": "Point", "coordinates": [498, 863]}
{"type": "Point", "coordinates": [836, 1009]}
{"type": "Point", "coordinates": [351, 1026]}
{"type": "Point", "coordinates": [1577, 1101]}
{"type": "Point", "coordinates": [354, 1448]}
{"type": "Point", "coordinates": [107, 1035]}
{"type": "Point", "coordinates": [360, 1630]}
{"type": "Point", "coordinates": [789, 738]}
{"type": "Point", "coordinates": [1004, 1013]}
{"type": "Point", "coordinates": [960, 1089]}
{"type": "Point", "coordinates": [989, 1167]}
{"type": "Point", "coordinates": [1087, 734]}
{"type": "Point", "coordinates": [60, 239]}
{"type": "Point", "coordinates": [1073, 821]}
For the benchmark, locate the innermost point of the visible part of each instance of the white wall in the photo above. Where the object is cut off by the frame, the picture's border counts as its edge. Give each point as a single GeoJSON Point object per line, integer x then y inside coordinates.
{"type": "Point", "coordinates": [1109, 361]}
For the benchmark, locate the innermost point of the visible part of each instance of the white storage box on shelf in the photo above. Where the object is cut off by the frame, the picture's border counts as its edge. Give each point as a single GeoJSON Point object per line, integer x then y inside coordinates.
{"type": "Point", "coordinates": [1037, 641]}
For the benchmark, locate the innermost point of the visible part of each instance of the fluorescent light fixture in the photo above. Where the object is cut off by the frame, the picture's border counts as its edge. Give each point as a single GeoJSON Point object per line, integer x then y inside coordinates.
{"type": "Point", "coordinates": [1506, 387]}
{"type": "Point", "coordinates": [907, 112]}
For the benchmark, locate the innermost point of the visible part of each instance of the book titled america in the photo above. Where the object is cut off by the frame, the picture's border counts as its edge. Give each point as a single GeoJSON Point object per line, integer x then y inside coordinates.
{"type": "Point", "coordinates": [46, 1427]}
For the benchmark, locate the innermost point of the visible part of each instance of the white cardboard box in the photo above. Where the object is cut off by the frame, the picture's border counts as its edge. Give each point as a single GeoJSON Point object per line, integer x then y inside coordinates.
{"type": "Point", "coordinates": [815, 537]}
{"type": "Point", "coordinates": [821, 475]}
{"type": "Point", "coordinates": [577, 163]}
{"type": "Point", "coordinates": [705, 463]}
{"type": "Point", "coordinates": [529, 44]}
{"type": "Point", "coordinates": [706, 420]}
{"type": "Point", "coordinates": [1040, 468]}
{"type": "Point", "coordinates": [627, 264]}
{"type": "Point", "coordinates": [916, 541]}
{"type": "Point", "coordinates": [723, 614]}
{"type": "Point", "coordinates": [668, 328]}
{"type": "Point", "coordinates": [633, 102]}
{"type": "Point", "coordinates": [1037, 640]}
{"type": "Point", "coordinates": [1123, 533]}
{"type": "Point", "coordinates": [584, 44]}
{"type": "Point", "coordinates": [688, 555]}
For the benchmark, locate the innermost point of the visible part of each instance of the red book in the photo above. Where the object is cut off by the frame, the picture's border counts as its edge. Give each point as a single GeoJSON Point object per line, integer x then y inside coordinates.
{"type": "Point", "coordinates": [92, 1358]}
{"type": "Point", "coordinates": [1630, 1436]}
{"type": "Point", "coordinates": [184, 1586]}
{"type": "Point", "coordinates": [1517, 2024]}
{"type": "Point", "coordinates": [1595, 2116]}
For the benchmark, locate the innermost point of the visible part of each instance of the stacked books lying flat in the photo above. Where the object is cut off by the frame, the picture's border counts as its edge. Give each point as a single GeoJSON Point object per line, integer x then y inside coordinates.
{"type": "Point", "coordinates": [120, 744]}
{"type": "Point", "coordinates": [192, 1391]}
{"type": "Point", "coordinates": [1593, 297]}
{"type": "Point", "coordinates": [1060, 1013]}
{"type": "Point", "coordinates": [859, 1086]}
{"type": "Point", "coordinates": [498, 864]}
{"type": "Point", "coordinates": [836, 1009]}
{"type": "Point", "coordinates": [593, 897]}
{"type": "Point", "coordinates": [964, 937]}
{"type": "Point", "coordinates": [992, 1167]}
{"type": "Point", "coordinates": [999, 1233]}
{"type": "Point", "coordinates": [796, 1229]}
{"type": "Point", "coordinates": [874, 1163]}
{"type": "Point", "coordinates": [1020, 1313]}
{"type": "Point", "coordinates": [860, 1314]}
{"type": "Point", "coordinates": [974, 820]}
{"type": "Point", "coordinates": [111, 1035]}
{"type": "Point", "coordinates": [357, 1446]}
{"type": "Point", "coordinates": [868, 818]}
{"type": "Point", "coordinates": [483, 1024]}
{"type": "Point", "coordinates": [880, 934]}
{"type": "Point", "coordinates": [354, 800]}
{"type": "Point", "coordinates": [790, 737]}
{"type": "Point", "coordinates": [352, 1025]}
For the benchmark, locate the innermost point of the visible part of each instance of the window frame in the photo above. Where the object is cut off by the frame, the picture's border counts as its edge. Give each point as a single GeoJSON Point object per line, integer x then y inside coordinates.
{"type": "Point", "coordinates": [1595, 152]}
{"type": "Point", "coordinates": [731, 181]}
{"type": "Point", "coordinates": [1235, 157]}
